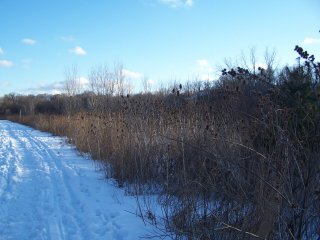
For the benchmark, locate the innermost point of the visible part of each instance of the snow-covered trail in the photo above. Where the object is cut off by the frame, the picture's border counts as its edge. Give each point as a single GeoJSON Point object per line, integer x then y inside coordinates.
{"type": "Point", "coordinates": [49, 191]}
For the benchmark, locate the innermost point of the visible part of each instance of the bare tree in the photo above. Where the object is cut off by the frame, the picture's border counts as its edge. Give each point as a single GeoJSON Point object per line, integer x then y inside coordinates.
{"type": "Point", "coordinates": [146, 84]}
{"type": "Point", "coordinates": [119, 78]}
{"type": "Point", "coordinates": [102, 80]}
{"type": "Point", "coordinates": [72, 88]}
{"type": "Point", "coordinates": [72, 83]}
{"type": "Point", "coordinates": [93, 81]}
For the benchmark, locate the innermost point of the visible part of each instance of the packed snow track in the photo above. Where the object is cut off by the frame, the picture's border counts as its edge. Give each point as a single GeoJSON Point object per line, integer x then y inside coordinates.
{"type": "Point", "coordinates": [49, 191]}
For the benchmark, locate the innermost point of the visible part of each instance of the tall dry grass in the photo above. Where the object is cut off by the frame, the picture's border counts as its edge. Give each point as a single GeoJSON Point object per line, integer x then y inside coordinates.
{"type": "Point", "coordinates": [239, 160]}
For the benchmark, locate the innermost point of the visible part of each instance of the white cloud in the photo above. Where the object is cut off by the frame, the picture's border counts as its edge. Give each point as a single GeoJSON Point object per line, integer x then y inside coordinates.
{"type": "Point", "coordinates": [1, 51]}
{"type": "Point", "coordinates": [261, 65]}
{"type": "Point", "coordinates": [178, 3]}
{"type": "Point", "coordinates": [57, 87]}
{"type": "Point", "coordinates": [204, 70]}
{"type": "Point", "coordinates": [68, 38]}
{"type": "Point", "coordinates": [203, 63]}
{"type": "Point", "coordinates": [46, 88]}
{"type": "Point", "coordinates": [152, 81]}
{"type": "Point", "coordinates": [78, 51]}
{"type": "Point", "coordinates": [131, 74]}
{"type": "Point", "coordinates": [204, 66]}
{"type": "Point", "coordinates": [126, 86]}
{"type": "Point", "coordinates": [4, 84]}
{"type": "Point", "coordinates": [29, 41]}
{"type": "Point", "coordinates": [26, 61]}
{"type": "Point", "coordinates": [309, 41]}
{"type": "Point", "coordinates": [206, 77]}
{"type": "Point", "coordinates": [172, 3]}
{"type": "Point", "coordinates": [6, 63]}
{"type": "Point", "coordinates": [189, 3]}
{"type": "Point", "coordinates": [84, 83]}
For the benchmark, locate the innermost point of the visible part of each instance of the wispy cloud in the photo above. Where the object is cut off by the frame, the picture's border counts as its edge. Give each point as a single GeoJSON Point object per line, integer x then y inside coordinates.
{"type": "Point", "coordinates": [152, 81]}
{"type": "Point", "coordinates": [260, 65]}
{"type": "Point", "coordinates": [48, 88]}
{"type": "Point", "coordinates": [178, 3]}
{"type": "Point", "coordinates": [29, 41]}
{"type": "Point", "coordinates": [78, 51]}
{"type": "Point", "coordinates": [131, 74]}
{"type": "Point", "coordinates": [4, 84]}
{"type": "Point", "coordinates": [206, 77]}
{"type": "Point", "coordinates": [309, 41]}
{"type": "Point", "coordinates": [203, 65]}
{"type": "Point", "coordinates": [189, 3]}
{"type": "Point", "coordinates": [204, 70]}
{"type": "Point", "coordinates": [84, 83]}
{"type": "Point", "coordinates": [57, 87]}
{"type": "Point", "coordinates": [6, 63]}
{"type": "Point", "coordinates": [1, 51]}
{"type": "Point", "coordinates": [68, 38]}
{"type": "Point", "coordinates": [26, 63]}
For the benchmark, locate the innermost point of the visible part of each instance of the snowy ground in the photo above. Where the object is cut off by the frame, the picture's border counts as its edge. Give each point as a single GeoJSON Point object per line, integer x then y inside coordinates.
{"type": "Point", "coordinates": [49, 191]}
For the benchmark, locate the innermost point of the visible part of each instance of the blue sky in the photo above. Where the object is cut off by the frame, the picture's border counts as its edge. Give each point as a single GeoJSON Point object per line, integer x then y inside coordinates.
{"type": "Point", "coordinates": [162, 40]}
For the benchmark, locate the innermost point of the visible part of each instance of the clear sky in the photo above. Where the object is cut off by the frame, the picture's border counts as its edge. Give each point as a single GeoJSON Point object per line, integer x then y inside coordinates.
{"type": "Point", "coordinates": [162, 40]}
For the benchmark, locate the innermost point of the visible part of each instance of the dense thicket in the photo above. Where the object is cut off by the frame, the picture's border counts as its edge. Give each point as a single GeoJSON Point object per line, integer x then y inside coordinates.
{"type": "Point", "coordinates": [237, 159]}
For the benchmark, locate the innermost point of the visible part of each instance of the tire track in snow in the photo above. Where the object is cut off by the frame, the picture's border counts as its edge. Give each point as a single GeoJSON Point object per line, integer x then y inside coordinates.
{"type": "Point", "coordinates": [49, 191]}
{"type": "Point", "coordinates": [22, 209]}
{"type": "Point", "coordinates": [11, 172]}
{"type": "Point", "coordinates": [62, 195]}
{"type": "Point", "coordinates": [54, 196]}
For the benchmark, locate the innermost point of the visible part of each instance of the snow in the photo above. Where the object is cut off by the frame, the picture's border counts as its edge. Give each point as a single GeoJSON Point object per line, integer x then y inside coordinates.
{"type": "Point", "coordinates": [49, 191]}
